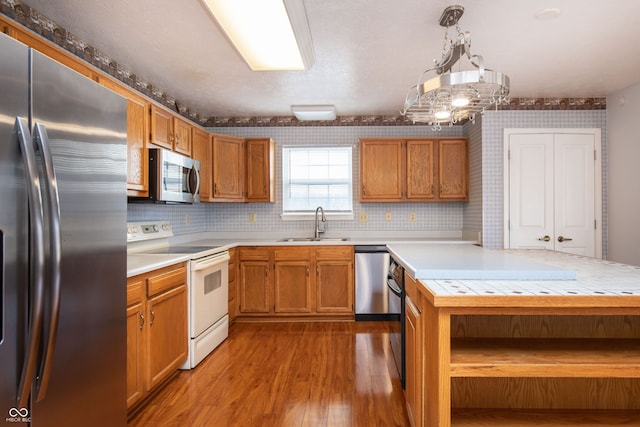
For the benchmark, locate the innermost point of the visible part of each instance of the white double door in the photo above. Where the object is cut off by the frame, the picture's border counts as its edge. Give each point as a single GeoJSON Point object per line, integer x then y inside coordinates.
{"type": "Point", "coordinates": [552, 183]}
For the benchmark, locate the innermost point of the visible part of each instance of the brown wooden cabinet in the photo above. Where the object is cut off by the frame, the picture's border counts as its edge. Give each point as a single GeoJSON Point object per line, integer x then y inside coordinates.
{"type": "Point", "coordinates": [137, 135]}
{"type": "Point", "coordinates": [255, 278]}
{"type": "Point", "coordinates": [334, 280]}
{"type": "Point", "coordinates": [413, 357]}
{"type": "Point", "coordinates": [228, 168]}
{"type": "Point", "coordinates": [418, 169]}
{"type": "Point", "coordinates": [161, 127]}
{"type": "Point", "coordinates": [453, 169]}
{"type": "Point", "coordinates": [292, 280]}
{"type": "Point", "coordinates": [280, 281]}
{"type": "Point", "coordinates": [233, 284]}
{"type": "Point", "coordinates": [135, 341]}
{"type": "Point", "coordinates": [182, 140]}
{"type": "Point", "coordinates": [260, 166]}
{"type": "Point", "coordinates": [157, 336]}
{"type": "Point", "coordinates": [202, 151]}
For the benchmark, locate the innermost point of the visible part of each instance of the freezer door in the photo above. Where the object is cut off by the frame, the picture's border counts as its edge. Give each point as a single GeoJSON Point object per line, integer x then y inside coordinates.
{"type": "Point", "coordinates": [86, 129]}
{"type": "Point", "coordinates": [14, 239]}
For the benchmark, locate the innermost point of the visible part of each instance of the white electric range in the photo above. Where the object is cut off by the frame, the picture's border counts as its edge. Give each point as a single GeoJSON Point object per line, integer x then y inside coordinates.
{"type": "Point", "coordinates": [208, 284]}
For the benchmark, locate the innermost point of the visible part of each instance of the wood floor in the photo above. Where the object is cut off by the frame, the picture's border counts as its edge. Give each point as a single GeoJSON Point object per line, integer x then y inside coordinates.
{"type": "Point", "coordinates": [287, 374]}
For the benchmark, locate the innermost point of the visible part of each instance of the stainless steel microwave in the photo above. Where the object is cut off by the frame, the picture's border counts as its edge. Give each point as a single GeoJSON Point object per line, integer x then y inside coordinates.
{"type": "Point", "coordinates": [173, 178]}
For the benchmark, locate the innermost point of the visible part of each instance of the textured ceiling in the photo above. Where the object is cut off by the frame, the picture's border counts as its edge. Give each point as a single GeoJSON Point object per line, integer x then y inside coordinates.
{"type": "Point", "coordinates": [368, 52]}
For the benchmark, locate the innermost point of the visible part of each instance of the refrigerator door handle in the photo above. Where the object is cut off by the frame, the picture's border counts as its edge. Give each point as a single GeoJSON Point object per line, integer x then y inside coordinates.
{"type": "Point", "coordinates": [53, 287]}
{"type": "Point", "coordinates": [36, 262]}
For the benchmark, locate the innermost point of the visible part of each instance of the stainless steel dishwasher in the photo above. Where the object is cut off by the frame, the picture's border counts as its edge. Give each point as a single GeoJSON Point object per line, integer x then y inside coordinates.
{"type": "Point", "coordinates": [372, 297]}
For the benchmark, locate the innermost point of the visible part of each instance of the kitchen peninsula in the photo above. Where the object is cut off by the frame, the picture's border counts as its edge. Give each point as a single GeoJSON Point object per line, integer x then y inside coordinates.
{"type": "Point", "coordinates": [514, 351]}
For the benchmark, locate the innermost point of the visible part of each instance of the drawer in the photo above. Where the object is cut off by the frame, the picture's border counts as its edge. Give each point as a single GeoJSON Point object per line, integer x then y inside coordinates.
{"type": "Point", "coordinates": [166, 278]}
{"type": "Point", "coordinates": [292, 253]}
{"type": "Point", "coordinates": [340, 253]}
{"type": "Point", "coordinates": [254, 254]}
{"type": "Point", "coordinates": [135, 286]}
{"type": "Point", "coordinates": [411, 288]}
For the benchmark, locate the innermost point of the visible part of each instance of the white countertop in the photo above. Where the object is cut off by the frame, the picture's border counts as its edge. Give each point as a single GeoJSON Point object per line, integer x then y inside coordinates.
{"type": "Point", "coordinates": [142, 263]}
{"type": "Point", "coordinates": [596, 281]}
{"type": "Point", "coordinates": [469, 262]}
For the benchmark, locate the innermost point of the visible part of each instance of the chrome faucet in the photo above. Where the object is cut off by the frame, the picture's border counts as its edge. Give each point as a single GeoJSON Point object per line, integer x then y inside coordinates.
{"type": "Point", "coordinates": [324, 220]}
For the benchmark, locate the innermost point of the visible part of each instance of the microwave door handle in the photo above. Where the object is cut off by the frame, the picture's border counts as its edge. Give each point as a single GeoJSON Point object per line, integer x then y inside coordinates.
{"type": "Point", "coordinates": [36, 262]}
{"type": "Point", "coordinates": [194, 176]}
{"type": "Point", "coordinates": [53, 286]}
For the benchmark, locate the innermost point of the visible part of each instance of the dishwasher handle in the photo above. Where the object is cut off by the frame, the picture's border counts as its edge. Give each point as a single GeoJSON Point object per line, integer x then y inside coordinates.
{"type": "Point", "coordinates": [370, 248]}
{"type": "Point", "coordinates": [393, 286]}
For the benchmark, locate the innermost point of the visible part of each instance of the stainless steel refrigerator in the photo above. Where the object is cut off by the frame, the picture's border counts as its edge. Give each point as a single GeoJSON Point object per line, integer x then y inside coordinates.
{"type": "Point", "coordinates": [62, 245]}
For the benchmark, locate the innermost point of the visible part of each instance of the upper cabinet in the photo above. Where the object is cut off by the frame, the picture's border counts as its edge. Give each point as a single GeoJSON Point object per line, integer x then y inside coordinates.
{"type": "Point", "coordinates": [137, 131]}
{"type": "Point", "coordinates": [419, 169]}
{"type": "Point", "coordinates": [169, 131]}
{"type": "Point", "coordinates": [228, 168]}
{"type": "Point", "coordinates": [260, 166]}
{"type": "Point", "coordinates": [202, 151]}
{"type": "Point", "coordinates": [241, 170]}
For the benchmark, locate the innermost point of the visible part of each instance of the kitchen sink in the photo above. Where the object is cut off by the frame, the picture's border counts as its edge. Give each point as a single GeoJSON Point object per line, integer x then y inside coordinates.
{"type": "Point", "coordinates": [313, 239]}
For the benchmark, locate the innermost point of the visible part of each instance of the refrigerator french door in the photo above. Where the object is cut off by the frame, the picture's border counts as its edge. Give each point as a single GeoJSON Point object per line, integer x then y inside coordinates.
{"type": "Point", "coordinates": [62, 245]}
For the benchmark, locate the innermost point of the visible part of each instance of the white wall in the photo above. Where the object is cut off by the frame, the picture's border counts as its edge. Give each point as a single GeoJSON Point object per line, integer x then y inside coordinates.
{"type": "Point", "coordinates": [623, 137]}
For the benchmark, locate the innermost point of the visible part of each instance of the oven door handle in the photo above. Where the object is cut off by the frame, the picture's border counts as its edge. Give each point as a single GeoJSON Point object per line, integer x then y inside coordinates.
{"type": "Point", "coordinates": [393, 285]}
{"type": "Point", "coordinates": [209, 262]}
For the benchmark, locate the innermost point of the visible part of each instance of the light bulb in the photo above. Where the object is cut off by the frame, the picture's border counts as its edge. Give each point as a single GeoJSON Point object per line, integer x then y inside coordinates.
{"type": "Point", "coordinates": [460, 101]}
{"type": "Point", "coordinates": [442, 114]}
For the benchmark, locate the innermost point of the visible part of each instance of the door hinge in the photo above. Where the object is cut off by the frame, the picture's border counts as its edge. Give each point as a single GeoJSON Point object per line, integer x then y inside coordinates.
{"type": "Point", "coordinates": [595, 224]}
{"type": "Point", "coordinates": [595, 155]}
{"type": "Point", "coordinates": [508, 154]}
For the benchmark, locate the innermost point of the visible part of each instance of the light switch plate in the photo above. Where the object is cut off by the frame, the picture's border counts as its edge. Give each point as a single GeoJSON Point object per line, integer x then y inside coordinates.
{"type": "Point", "coordinates": [363, 217]}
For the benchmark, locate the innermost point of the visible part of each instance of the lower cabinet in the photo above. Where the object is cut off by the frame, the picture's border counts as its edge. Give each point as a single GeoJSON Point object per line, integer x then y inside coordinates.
{"type": "Point", "coordinates": [157, 335]}
{"type": "Point", "coordinates": [413, 354]}
{"type": "Point", "coordinates": [296, 281]}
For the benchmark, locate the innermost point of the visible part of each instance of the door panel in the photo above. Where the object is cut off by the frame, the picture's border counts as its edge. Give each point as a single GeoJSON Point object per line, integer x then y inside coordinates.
{"type": "Point", "coordinates": [531, 191]}
{"type": "Point", "coordinates": [575, 196]}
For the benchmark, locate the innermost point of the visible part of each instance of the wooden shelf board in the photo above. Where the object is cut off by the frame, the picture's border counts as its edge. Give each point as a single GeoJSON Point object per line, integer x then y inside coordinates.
{"type": "Point", "coordinates": [559, 357]}
{"type": "Point", "coordinates": [542, 417]}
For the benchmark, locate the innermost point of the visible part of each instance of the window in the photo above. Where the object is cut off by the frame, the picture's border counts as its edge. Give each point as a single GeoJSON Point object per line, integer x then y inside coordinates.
{"type": "Point", "coordinates": [315, 176]}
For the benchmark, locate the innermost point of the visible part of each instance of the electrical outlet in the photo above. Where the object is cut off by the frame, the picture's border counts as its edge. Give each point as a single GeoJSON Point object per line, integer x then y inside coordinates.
{"type": "Point", "coordinates": [387, 216]}
{"type": "Point", "coordinates": [363, 217]}
{"type": "Point", "coordinates": [252, 217]}
{"type": "Point", "coordinates": [187, 219]}
{"type": "Point", "coordinates": [412, 217]}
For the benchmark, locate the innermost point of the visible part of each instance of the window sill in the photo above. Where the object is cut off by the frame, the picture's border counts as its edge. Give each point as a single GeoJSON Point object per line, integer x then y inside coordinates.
{"type": "Point", "coordinates": [311, 216]}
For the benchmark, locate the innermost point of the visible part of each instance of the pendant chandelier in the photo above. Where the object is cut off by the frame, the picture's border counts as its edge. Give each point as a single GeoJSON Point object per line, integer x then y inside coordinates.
{"type": "Point", "coordinates": [454, 97]}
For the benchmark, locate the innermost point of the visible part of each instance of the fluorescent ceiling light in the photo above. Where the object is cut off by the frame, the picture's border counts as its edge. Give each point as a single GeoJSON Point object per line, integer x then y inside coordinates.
{"type": "Point", "coordinates": [314, 112]}
{"type": "Point", "coordinates": [269, 34]}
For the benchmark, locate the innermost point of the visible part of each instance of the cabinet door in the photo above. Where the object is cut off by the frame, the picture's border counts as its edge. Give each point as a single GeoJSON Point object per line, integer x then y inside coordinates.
{"type": "Point", "coordinates": [167, 342]}
{"type": "Point", "coordinates": [420, 170]}
{"type": "Point", "coordinates": [161, 127]}
{"type": "Point", "coordinates": [381, 167]}
{"type": "Point", "coordinates": [137, 154]}
{"type": "Point", "coordinates": [228, 168]}
{"type": "Point", "coordinates": [254, 287]}
{"type": "Point", "coordinates": [135, 353]}
{"type": "Point", "coordinates": [413, 354]}
{"type": "Point", "coordinates": [292, 287]}
{"type": "Point", "coordinates": [334, 287]}
{"type": "Point", "coordinates": [453, 169]}
{"type": "Point", "coordinates": [182, 141]}
{"type": "Point", "coordinates": [260, 170]}
{"type": "Point", "coordinates": [201, 151]}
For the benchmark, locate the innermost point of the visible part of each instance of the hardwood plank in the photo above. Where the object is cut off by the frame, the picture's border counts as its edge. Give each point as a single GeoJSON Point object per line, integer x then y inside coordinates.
{"type": "Point", "coordinates": [548, 418]}
{"type": "Point", "coordinates": [287, 374]}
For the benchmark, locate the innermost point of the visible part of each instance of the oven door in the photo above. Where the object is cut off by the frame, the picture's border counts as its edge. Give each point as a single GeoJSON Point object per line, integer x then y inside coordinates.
{"type": "Point", "coordinates": [209, 290]}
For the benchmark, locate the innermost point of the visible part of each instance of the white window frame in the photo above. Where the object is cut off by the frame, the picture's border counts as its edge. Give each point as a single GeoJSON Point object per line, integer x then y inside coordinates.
{"type": "Point", "coordinates": [309, 214]}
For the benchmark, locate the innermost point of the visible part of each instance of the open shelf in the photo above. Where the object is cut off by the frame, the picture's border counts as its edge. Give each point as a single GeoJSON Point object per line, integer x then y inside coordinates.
{"type": "Point", "coordinates": [526, 357]}
{"type": "Point", "coordinates": [548, 418]}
